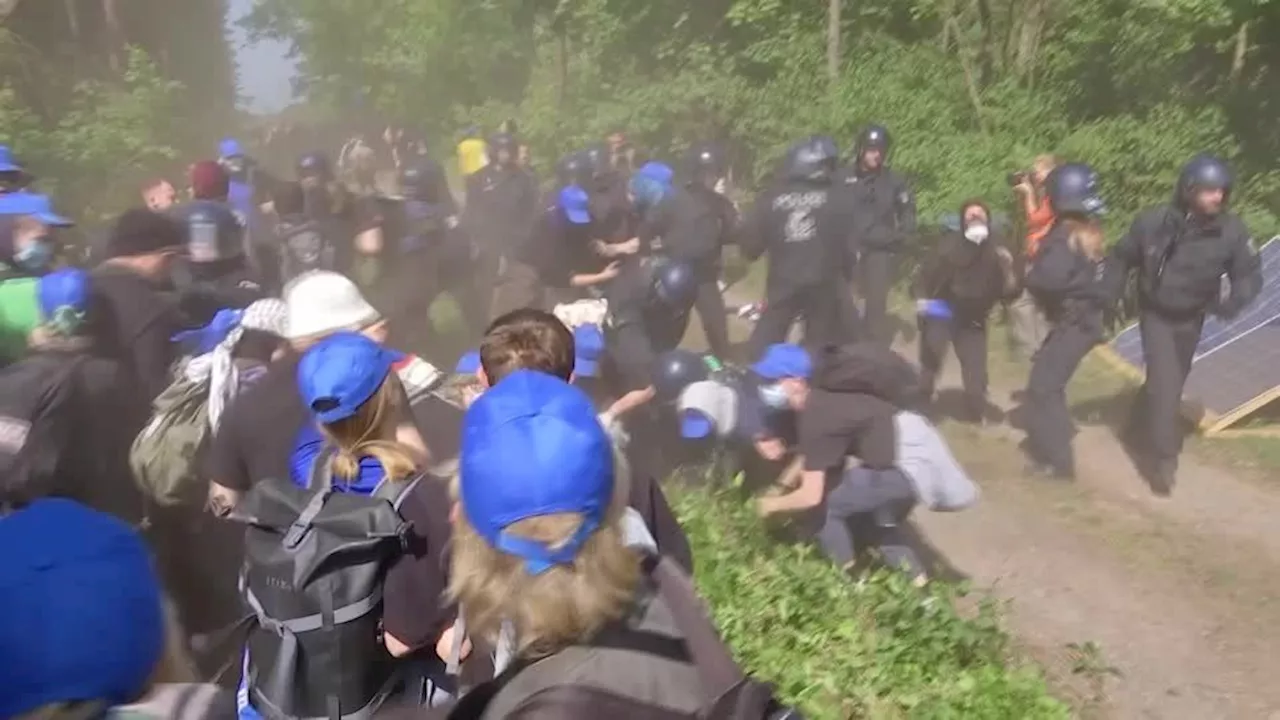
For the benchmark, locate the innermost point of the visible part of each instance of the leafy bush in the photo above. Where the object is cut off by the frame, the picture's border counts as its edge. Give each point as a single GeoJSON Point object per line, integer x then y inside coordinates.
{"type": "Point", "coordinates": [877, 647]}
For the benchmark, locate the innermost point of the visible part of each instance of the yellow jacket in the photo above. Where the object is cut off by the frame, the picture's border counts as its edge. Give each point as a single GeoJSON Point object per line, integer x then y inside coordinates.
{"type": "Point", "coordinates": [473, 154]}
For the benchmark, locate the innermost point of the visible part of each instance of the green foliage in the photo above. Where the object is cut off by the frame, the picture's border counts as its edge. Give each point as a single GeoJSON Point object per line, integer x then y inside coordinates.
{"type": "Point", "coordinates": [111, 134]}
{"type": "Point", "coordinates": [877, 647]}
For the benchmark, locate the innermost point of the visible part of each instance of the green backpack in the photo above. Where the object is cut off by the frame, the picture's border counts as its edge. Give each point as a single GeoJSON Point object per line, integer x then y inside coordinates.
{"type": "Point", "coordinates": [163, 456]}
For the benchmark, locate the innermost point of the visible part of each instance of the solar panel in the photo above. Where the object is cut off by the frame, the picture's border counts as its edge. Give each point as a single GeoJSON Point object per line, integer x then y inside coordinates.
{"type": "Point", "coordinates": [1242, 370]}
{"type": "Point", "coordinates": [1218, 333]}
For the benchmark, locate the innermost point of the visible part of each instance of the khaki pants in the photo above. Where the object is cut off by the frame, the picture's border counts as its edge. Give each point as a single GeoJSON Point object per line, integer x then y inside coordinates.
{"type": "Point", "coordinates": [1027, 324]}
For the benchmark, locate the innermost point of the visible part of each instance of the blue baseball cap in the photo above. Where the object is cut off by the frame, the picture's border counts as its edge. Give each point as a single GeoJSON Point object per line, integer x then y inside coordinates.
{"type": "Point", "coordinates": [201, 340]}
{"type": "Point", "coordinates": [469, 363]}
{"type": "Point", "coordinates": [7, 162]}
{"type": "Point", "coordinates": [657, 171]}
{"type": "Point", "coordinates": [341, 373]}
{"type": "Point", "coordinates": [34, 205]}
{"type": "Point", "coordinates": [695, 425]}
{"type": "Point", "coordinates": [533, 446]}
{"type": "Point", "coordinates": [784, 360]}
{"type": "Point", "coordinates": [588, 346]}
{"type": "Point", "coordinates": [82, 608]}
{"type": "Point", "coordinates": [63, 290]}
{"type": "Point", "coordinates": [229, 147]}
{"type": "Point", "coordinates": [575, 204]}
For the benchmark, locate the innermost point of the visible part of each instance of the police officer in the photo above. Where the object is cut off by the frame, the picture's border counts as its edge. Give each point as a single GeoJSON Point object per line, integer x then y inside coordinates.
{"type": "Point", "coordinates": [803, 223]}
{"type": "Point", "coordinates": [1180, 252]}
{"type": "Point", "coordinates": [431, 255]}
{"type": "Point", "coordinates": [612, 219]}
{"type": "Point", "coordinates": [353, 223]}
{"type": "Point", "coordinates": [573, 169]}
{"type": "Point", "coordinates": [215, 273]}
{"type": "Point", "coordinates": [502, 199]}
{"type": "Point", "coordinates": [1065, 279]}
{"type": "Point", "coordinates": [885, 216]}
{"type": "Point", "coordinates": [649, 306]}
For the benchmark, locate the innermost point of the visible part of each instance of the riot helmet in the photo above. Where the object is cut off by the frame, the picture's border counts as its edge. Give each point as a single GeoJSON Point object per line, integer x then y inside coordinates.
{"type": "Point", "coordinates": [420, 180]}
{"type": "Point", "coordinates": [504, 142]}
{"type": "Point", "coordinates": [872, 137]}
{"type": "Point", "coordinates": [812, 159]}
{"type": "Point", "coordinates": [703, 165]}
{"type": "Point", "coordinates": [598, 159]}
{"type": "Point", "coordinates": [675, 284]}
{"type": "Point", "coordinates": [314, 166]}
{"type": "Point", "coordinates": [1203, 172]}
{"type": "Point", "coordinates": [574, 169]}
{"type": "Point", "coordinates": [213, 231]}
{"type": "Point", "coordinates": [676, 370]}
{"type": "Point", "coordinates": [1073, 189]}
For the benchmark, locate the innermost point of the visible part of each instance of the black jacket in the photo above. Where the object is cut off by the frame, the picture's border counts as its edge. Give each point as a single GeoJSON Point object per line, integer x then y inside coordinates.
{"type": "Point", "coordinates": [692, 224]}
{"type": "Point", "coordinates": [804, 228]}
{"type": "Point", "coordinates": [969, 276]}
{"type": "Point", "coordinates": [132, 320]}
{"type": "Point", "coordinates": [884, 209]}
{"type": "Point", "coordinates": [1180, 260]}
{"type": "Point", "coordinates": [1066, 284]}
{"type": "Point", "coordinates": [501, 203]}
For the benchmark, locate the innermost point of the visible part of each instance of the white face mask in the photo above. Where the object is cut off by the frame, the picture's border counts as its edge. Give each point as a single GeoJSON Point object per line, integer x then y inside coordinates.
{"type": "Point", "coordinates": [774, 396]}
{"type": "Point", "coordinates": [976, 233]}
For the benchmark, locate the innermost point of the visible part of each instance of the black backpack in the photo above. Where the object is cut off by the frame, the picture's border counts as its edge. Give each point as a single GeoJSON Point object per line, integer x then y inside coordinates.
{"type": "Point", "coordinates": [870, 369]}
{"type": "Point", "coordinates": [36, 417]}
{"type": "Point", "coordinates": [305, 246]}
{"type": "Point", "coordinates": [733, 694]}
{"type": "Point", "coordinates": [315, 562]}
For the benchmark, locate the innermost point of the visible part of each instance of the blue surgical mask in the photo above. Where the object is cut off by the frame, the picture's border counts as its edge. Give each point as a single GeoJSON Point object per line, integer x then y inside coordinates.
{"type": "Point", "coordinates": [774, 396]}
{"type": "Point", "coordinates": [35, 256]}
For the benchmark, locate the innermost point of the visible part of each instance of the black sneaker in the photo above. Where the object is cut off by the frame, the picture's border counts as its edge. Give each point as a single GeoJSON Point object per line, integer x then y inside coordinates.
{"type": "Point", "coordinates": [1162, 476]}
{"type": "Point", "coordinates": [1046, 471]}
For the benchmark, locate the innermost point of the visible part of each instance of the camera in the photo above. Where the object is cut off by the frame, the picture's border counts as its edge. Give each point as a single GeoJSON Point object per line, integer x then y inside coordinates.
{"type": "Point", "coordinates": [1017, 178]}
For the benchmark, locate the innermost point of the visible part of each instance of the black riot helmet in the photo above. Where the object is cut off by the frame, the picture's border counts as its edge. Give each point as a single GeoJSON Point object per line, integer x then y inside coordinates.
{"type": "Point", "coordinates": [812, 159]}
{"type": "Point", "coordinates": [1073, 190]}
{"type": "Point", "coordinates": [1203, 172]}
{"type": "Point", "coordinates": [213, 231]}
{"type": "Point", "coordinates": [675, 284]}
{"type": "Point", "coordinates": [314, 166]}
{"type": "Point", "coordinates": [574, 169]}
{"type": "Point", "coordinates": [873, 137]}
{"type": "Point", "coordinates": [598, 159]}
{"type": "Point", "coordinates": [504, 141]}
{"type": "Point", "coordinates": [703, 164]}
{"type": "Point", "coordinates": [676, 370]}
{"type": "Point", "coordinates": [421, 180]}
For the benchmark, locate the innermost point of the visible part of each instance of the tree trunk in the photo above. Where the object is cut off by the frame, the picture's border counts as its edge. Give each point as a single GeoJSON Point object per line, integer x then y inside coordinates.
{"type": "Point", "coordinates": [986, 47]}
{"type": "Point", "coordinates": [1242, 49]}
{"type": "Point", "coordinates": [833, 41]}
{"type": "Point", "coordinates": [115, 36]}
{"type": "Point", "coordinates": [1033, 20]}
{"type": "Point", "coordinates": [562, 67]}
{"type": "Point", "coordinates": [77, 40]}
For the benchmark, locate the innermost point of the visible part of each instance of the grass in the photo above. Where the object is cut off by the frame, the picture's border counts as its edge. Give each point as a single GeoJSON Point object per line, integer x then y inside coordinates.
{"type": "Point", "coordinates": [876, 647]}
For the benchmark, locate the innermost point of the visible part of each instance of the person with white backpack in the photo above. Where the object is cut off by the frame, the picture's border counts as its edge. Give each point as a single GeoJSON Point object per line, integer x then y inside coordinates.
{"type": "Point", "coordinates": [854, 402]}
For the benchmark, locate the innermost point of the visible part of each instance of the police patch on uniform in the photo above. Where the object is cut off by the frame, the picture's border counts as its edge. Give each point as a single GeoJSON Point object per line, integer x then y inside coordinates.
{"type": "Point", "coordinates": [202, 241]}
{"type": "Point", "coordinates": [13, 434]}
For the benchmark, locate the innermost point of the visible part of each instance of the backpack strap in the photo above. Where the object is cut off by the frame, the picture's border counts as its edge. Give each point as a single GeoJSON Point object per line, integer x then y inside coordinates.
{"type": "Point", "coordinates": [708, 652]}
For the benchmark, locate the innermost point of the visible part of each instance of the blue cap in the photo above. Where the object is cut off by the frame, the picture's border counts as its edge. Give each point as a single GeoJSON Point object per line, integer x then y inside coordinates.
{"type": "Point", "coordinates": [341, 373]}
{"type": "Point", "coordinates": [939, 309]}
{"type": "Point", "coordinates": [34, 205]}
{"type": "Point", "coordinates": [201, 340]}
{"type": "Point", "coordinates": [7, 161]}
{"type": "Point", "coordinates": [61, 291]}
{"type": "Point", "coordinates": [657, 171]}
{"type": "Point", "coordinates": [82, 610]}
{"type": "Point", "coordinates": [469, 363]}
{"type": "Point", "coordinates": [588, 346]}
{"type": "Point", "coordinates": [532, 446]}
{"type": "Point", "coordinates": [695, 425]}
{"type": "Point", "coordinates": [575, 203]}
{"type": "Point", "coordinates": [784, 360]}
{"type": "Point", "coordinates": [229, 147]}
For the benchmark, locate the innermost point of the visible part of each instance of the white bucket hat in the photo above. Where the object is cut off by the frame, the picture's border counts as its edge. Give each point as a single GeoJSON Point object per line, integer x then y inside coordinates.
{"type": "Point", "coordinates": [321, 302]}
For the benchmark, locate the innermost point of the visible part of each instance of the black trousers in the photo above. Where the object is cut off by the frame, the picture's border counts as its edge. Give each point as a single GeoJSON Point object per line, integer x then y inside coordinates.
{"type": "Point", "coordinates": [709, 305]}
{"type": "Point", "coordinates": [969, 338]}
{"type": "Point", "coordinates": [1049, 425]}
{"type": "Point", "coordinates": [1168, 346]}
{"type": "Point", "coordinates": [825, 309]}
{"type": "Point", "coordinates": [875, 278]}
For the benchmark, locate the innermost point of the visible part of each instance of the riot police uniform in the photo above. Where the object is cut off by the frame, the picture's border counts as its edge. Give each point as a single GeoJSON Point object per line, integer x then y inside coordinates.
{"type": "Point", "coordinates": [502, 200]}
{"type": "Point", "coordinates": [802, 224]}
{"type": "Point", "coordinates": [215, 273]}
{"type": "Point", "coordinates": [884, 216]}
{"type": "Point", "coordinates": [1179, 254]}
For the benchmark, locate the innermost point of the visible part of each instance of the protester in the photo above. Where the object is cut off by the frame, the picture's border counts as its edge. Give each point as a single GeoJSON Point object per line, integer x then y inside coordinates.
{"type": "Point", "coordinates": [850, 403]}
{"type": "Point", "coordinates": [355, 222]}
{"type": "Point", "coordinates": [883, 221]}
{"type": "Point", "coordinates": [472, 152]}
{"type": "Point", "coordinates": [110, 653]}
{"type": "Point", "coordinates": [1027, 321]}
{"type": "Point", "coordinates": [802, 223]}
{"type": "Point", "coordinates": [13, 177]}
{"type": "Point", "coordinates": [27, 226]}
{"type": "Point", "coordinates": [1065, 278]}
{"type": "Point", "coordinates": [959, 282]}
{"type": "Point", "coordinates": [133, 317]}
{"type": "Point", "coordinates": [354, 448]}
{"type": "Point", "coordinates": [1180, 253]}
{"type": "Point", "coordinates": [159, 195]}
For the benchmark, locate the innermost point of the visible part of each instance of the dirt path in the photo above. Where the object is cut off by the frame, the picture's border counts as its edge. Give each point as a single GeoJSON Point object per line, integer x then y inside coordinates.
{"type": "Point", "coordinates": [1139, 607]}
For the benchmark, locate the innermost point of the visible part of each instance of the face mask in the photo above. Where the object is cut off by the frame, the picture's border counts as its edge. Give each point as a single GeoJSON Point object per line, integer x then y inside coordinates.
{"type": "Point", "coordinates": [774, 396]}
{"type": "Point", "coordinates": [37, 255]}
{"type": "Point", "coordinates": [976, 233]}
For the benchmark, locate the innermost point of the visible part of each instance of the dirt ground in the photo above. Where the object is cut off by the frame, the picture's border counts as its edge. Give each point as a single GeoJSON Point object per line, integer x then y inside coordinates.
{"type": "Point", "coordinates": [1138, 607]}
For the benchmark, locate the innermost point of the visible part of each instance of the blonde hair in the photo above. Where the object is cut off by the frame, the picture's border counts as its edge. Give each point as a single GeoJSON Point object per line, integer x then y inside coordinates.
{"type": "Point", "coordinates": [563, 606]}
{"type": "Point", "coordinates": [1045, 162]}
{"type": "Point", "coordinates": [371, 432]}
{"type": "Point", "coordinates": [1085, 238]}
